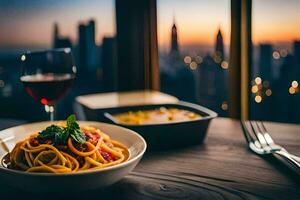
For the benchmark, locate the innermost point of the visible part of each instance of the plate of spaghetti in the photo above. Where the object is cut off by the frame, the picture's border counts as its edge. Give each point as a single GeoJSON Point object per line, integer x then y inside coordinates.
{"type": "Point", "coordinates": [67, 155]}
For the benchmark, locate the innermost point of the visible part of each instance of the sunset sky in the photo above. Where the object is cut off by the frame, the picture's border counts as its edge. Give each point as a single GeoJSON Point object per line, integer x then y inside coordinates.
{"type": "Point", "coordinates": [30, 22]}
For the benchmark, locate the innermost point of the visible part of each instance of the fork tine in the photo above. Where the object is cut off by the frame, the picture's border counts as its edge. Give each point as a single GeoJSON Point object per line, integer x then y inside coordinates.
{"type": "Point", "coordinates": [254, 144]}
{"type": "Point", "coordinates": [247, 135]}
{"type": "Point", "coordinates": [253, 129]}
{"type": "Point", "coordinates": [264, 148]}
{"type": "Point", "coordinates": [250, 132]}
{"type": "Point", "coordinates": [267, 136]}
{"type": "Point", "coordinates": [258, 133]}
{"type": "Point", "coordinates": [263, 127]}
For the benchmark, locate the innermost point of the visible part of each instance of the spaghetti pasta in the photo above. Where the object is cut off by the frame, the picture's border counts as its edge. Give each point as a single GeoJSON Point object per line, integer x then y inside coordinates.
{"type": "Point", "coordinates": [36, 154]}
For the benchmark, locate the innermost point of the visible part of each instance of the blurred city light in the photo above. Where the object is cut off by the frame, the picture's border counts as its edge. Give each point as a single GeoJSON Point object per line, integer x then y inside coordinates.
{"type": "Point", "coordinates": [258, 80]}
{"type": "Point", "coordinates": [283, 53]}
{"type": "Point", "coordinates": [224, 105]}
{"type": "Point", "coordinates": [193, 65]}
{"type": "Point", "coordinates": [199, 59]}
{"type": "Point", "coordinates": [217, 59]}
{"type": "Point", "coordinates": [23, 57]}
{"type": "Point", "coordinates": [254, 89]}
{"type": "Point", "coordinates": [224, 65]}
{"type": "Point", "coordinates": [258, 98]}
{"type": "Point", "coordinates": [292, 90]}
{"type": "Point", "coordinates": [294, 84]}
{"type": "Point", "coordinates": [187, 59]}
{"type": "Point", "coordinates": [268, 92]}
{"type": "Point", "coordinates": [276, 55]}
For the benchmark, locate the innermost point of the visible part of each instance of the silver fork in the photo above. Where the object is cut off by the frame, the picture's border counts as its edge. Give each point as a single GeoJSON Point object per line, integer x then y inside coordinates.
{"type": "Point", "coordinates": [260, 142]}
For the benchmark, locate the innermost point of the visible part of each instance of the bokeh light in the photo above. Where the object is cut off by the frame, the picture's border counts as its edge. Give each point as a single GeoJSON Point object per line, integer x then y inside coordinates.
{"type": "Point", "coordinates": [254, 89]}
{"type": "Point", "coordinates": [268, 92]}
{"type": "Point", "coordinates": [283, 53]}
{"type": "Point", "coordinates": [198, 59]}
{"type": "Point", "coordinates": [276, 55]}
{"type": "Point", "coordinates": [187, 59]}
{"type": "Point", "coordinates": [258, 80]}
{"type": "Point", "coordinates": [292, 90]}
{"type": "Point", "coordinates": [23, 57]}
{"type": "Point", "coordinates": [224, 65]}
{"type": "Point", "coordinates": [258, 98]}
{"type": "Point", "coordinates": [193, 65]}
{"type": "Point", "coordinates": [224, 105]}
{"type": "Point", "coordinates": [294, 84]}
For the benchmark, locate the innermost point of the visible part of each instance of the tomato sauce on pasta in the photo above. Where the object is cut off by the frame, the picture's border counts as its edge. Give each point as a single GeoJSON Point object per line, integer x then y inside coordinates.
{"type": "Point", "coordinates": [36, 154]}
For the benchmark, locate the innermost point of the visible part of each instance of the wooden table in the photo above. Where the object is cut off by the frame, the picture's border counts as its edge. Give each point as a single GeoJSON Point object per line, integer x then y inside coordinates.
{"type": "Point", "coordinates": [221, 168]}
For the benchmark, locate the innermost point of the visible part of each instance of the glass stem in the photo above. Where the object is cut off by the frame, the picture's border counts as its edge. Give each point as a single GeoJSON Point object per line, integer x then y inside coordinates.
{"type": "Point", "coordinates": [50, 109]}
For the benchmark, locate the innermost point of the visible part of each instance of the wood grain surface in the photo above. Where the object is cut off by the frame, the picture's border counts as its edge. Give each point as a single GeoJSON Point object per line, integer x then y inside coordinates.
{"type": "Point", "coordinates": [221, 168]}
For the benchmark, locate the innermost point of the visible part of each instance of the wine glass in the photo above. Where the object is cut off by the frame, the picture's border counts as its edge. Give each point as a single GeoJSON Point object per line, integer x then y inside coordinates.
{"type": "Point", "coordinates": [48, 75]}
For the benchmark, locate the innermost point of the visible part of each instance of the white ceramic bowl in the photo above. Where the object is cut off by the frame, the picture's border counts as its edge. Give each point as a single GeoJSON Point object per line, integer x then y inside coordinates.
{"type": "Point", "coordinates": [45, 182]}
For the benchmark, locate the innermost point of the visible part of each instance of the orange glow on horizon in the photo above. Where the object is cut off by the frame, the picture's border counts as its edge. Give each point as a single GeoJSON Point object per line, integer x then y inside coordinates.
{"type": "Point", "coordinates": [276, 36]}
{"type": "Point", "coordinates": [273, 22]}
{"type": "Point", "coordinates": [187, 35]}
{"type": "Point", "coordinates": [192, 34]}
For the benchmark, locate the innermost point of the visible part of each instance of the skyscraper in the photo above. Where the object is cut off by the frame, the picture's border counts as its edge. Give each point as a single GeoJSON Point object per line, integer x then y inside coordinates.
{"type": "Point", "coordinates": [87, 46]}
{"type": "Point", "coordinates": [220, 45]}
{"type": "Point", "coordinates": [58, 41]}
{"type": "Point", "coordinates": [265, 61]}
{"type": "Point", "coordinates": [92, 29]}
{"type": "Point", "coordinates": [82, 45]}
{"type": "Point", "coordinates": [212, 84]}
{"type": "Point", "coordinates": [55, 35]}
{"type": "Point", "coordinates": [92, 48]}
{"type": "Point", "coordinates": [174, 40]}
{"type": "Point", "coordinates": [296, 49]}
{"type": "Point", "coordinates": [109, 64]}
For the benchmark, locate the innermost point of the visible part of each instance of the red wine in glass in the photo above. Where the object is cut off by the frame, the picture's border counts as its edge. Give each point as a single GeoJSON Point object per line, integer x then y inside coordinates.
{"type": "Point", "coordinates": [47, 88]}
{"type": "Point", "coordinates": [48, 75]}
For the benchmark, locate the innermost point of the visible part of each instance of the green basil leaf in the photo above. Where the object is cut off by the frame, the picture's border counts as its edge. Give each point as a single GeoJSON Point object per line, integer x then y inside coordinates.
{"type": "Point", "coordinates": [60, 135]}
{"type": "Point", "coordinates": [78, 136]}
{"type": "Point", "coordinates": [74, 130]}
{"type": "Point", "coordinates": [71, 120]}
{"type": "Point", "coordinates": [65, 135]}
{"type": "Point", "coordinates": [50, 132]}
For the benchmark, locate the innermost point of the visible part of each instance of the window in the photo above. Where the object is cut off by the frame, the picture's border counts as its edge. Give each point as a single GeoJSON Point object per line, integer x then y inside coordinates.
{"type": "Point", "coordinates": [276, 60]}
{"type": "Point", "coordinates": [88, 27]}
{"type": "Point", "coordinates": [194, 38]}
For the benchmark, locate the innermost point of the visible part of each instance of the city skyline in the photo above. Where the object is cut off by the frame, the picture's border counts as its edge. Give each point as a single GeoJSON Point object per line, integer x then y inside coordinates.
{"type": "Point", "coordinates": [197, 22]}
{"type": "Point", "coordinates": [187, 71]}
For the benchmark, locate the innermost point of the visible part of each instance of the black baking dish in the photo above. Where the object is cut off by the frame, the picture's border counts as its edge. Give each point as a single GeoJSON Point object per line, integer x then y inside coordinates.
{"type": "Point", "coordinates": [166, 135]}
